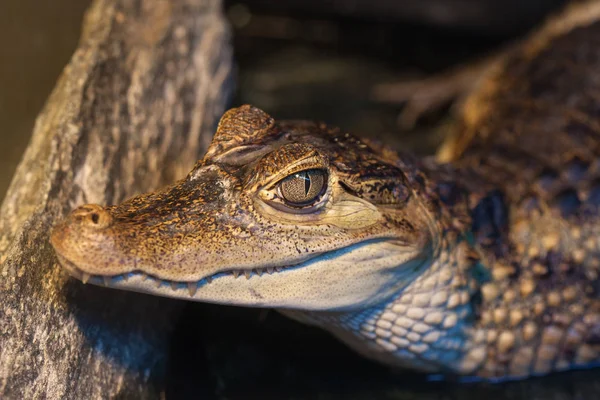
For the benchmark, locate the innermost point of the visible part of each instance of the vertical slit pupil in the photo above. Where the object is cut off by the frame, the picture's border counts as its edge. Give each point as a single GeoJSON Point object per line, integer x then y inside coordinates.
{"type": "Point", "coordinates": [302, 187]}
{"type": "Point", "coordinates": [306, 178]}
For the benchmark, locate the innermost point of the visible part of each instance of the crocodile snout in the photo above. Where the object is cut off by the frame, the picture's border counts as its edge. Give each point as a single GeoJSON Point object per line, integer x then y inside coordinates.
{"type": "Point", "coordinates": [86, 238]}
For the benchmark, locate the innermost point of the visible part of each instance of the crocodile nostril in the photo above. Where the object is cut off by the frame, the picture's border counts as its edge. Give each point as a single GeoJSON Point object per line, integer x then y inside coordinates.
{"type": "Point", "coordinates": [95, 218]}
{"type": "Point", "coordinates": [92, 215]}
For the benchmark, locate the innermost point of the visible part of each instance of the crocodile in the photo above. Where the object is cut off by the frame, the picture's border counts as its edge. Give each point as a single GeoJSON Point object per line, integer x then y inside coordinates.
{"type": "Point", "coordinates": [481, 263]}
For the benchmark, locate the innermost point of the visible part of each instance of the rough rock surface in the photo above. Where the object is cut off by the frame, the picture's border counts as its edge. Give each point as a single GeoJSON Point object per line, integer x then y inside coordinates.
{"type": "Point", "coordinates": [132, 111]}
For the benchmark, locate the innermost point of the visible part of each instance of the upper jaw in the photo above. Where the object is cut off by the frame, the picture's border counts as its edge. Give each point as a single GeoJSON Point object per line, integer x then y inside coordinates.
{"type": "Point", "coordinates": [99, 256]}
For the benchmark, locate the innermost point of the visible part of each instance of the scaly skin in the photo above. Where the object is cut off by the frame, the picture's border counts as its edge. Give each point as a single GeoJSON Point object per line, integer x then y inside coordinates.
{"type": "Point", "coordinates": [484, 266]}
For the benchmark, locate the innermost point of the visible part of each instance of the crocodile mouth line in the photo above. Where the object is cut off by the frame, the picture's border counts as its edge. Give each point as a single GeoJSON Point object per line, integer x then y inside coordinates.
{"type": "Point", "coordinates": [191, 286]}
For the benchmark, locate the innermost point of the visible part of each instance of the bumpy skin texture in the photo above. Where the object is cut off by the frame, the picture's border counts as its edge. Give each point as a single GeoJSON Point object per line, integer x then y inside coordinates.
{"type": "Point", "coordinates": [534, 145]}
{"type": "Point", "coordinates": [539, 147]}
{"type": "Point", "coordinates": [506, 234]}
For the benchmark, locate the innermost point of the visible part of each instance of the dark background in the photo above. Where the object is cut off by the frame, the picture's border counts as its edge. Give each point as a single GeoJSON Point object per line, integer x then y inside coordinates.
{"type": "Point", "coordinates": [308, 59]}
{"type": "Point", "coordinates": [37, 38]}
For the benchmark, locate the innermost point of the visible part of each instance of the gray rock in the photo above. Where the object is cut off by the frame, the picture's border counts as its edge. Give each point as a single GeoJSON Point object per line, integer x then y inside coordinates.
{"type": "Point", "coordinates": [132, 111]}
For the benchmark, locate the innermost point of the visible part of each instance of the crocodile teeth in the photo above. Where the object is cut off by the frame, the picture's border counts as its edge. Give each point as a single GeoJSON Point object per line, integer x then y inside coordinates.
{"type": "Point", "coordinates": [144, 276]}
{"type": "Point", "coordinates": [209, 279]}
{"type": "Point", "coordinates": [278, 269]}
{"type": "Point", "coordinates": [192, 288]}
{"type": "Point", "coordinates": [106, 280]}
{"type": "Point", "coordinates": [174, 285]}
{"type": "Point", "coordinates": [125, 276]}
{"type": "Point", "coordinates": [247, 273]}
{"type": "Point", "coordinates": [270, 270]}
{"type": "Point", "coordinates": [158, 283]}
{"type": "Point", "coordinates": [258, 271]}
{"type": "Point", "coordinates": [85, 277]}
{"type": "Point", "coordinates": [235, 273]}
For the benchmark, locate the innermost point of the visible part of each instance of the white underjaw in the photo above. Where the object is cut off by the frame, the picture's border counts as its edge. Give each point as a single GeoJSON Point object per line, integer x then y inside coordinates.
{"type": "Point", "coordinates": [339, 279]}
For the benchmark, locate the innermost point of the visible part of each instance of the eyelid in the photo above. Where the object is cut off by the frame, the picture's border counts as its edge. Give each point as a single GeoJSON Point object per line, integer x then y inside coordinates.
{"type": "Point", "coordinates": [281, 206]}
{"type": "Point", "coordinates": [313, 161]}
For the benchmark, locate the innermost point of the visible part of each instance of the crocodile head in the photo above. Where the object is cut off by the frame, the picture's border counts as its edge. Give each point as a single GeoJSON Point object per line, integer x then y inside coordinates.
{"type": "Point", "coordinates": [292, 215]}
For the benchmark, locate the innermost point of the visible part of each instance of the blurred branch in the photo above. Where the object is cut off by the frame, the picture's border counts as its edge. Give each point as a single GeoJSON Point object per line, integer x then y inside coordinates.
{"type": "Point", "coordinates": [481, 16]}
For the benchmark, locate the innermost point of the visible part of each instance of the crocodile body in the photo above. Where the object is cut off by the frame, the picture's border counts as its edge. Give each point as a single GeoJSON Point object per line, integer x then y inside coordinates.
{"type": "Point", "coordinates": [485, 265]}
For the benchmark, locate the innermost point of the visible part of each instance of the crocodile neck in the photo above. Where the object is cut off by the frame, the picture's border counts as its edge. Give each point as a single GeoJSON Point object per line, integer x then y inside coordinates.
{"type": "Point", "coordinates": [416, 329]}
{"type": "Point", "coordinates": [431, 324]}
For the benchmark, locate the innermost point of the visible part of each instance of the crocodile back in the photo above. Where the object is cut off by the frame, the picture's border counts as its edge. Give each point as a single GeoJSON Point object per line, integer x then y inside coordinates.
{"type": "Point", "coordinates": [538, 129]}
{"type": "Point", "coordinates": [532, 133]}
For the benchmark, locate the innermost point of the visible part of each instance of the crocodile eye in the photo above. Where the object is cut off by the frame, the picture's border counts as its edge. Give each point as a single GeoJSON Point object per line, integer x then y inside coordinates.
{"type": "Point", "coordinates": [304, 187]}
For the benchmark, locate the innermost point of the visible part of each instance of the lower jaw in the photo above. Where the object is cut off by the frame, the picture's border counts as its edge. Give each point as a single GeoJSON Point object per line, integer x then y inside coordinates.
{"type": "Point", "coordinates": [114, 281]}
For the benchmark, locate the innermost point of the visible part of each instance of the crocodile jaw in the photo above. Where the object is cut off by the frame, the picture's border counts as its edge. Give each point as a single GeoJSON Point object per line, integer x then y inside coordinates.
{"type": "Point", "coordinates": [355, 277]}
{"type": "Point", "coordinates": [193, 249]}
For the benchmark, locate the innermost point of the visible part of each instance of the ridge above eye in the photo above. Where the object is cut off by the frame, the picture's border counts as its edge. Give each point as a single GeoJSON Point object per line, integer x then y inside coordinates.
{"type": "Point", "coordinates": [303, 187]}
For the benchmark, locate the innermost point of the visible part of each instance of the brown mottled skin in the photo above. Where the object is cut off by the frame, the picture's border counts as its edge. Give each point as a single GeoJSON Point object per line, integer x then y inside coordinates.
{"type": "Point", "coordinates": [485, 266]}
